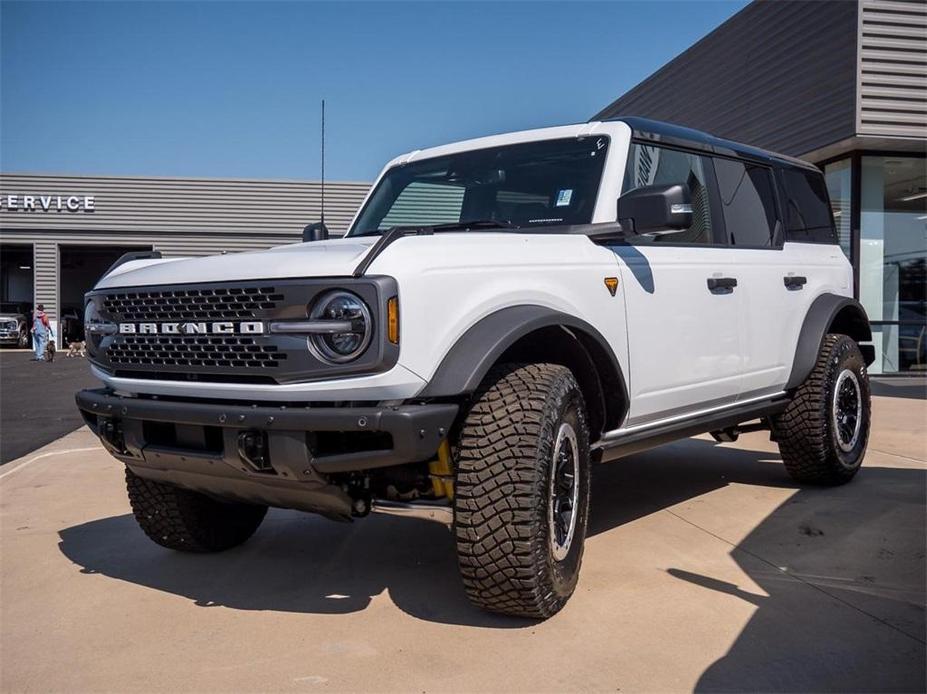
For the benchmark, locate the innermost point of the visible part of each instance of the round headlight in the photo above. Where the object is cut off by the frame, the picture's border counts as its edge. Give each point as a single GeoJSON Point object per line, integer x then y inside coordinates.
{"type": "Point", "coordinates": [343, 307]}
{"type": "Point", "coordinates": [95, 326]}
{"type": "Point", "coordinates": [91, 313]}
{"type": "Point", "coordinates": [92, 324]}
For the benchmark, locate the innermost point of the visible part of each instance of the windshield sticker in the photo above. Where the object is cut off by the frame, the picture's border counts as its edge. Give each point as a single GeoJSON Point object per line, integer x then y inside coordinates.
{"type": "Point", "coordinates": [564, 197]}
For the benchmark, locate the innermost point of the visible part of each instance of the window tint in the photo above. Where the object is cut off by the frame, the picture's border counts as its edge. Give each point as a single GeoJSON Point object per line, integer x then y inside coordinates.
{"type": "Point", "coordinates": [657, 166]}
{"type": "Point", "coordinates": [748, 201]}
{"type": "Point", "coordinates": [808, 215]}
{"type": "Point", "coordinates": [527, 184]}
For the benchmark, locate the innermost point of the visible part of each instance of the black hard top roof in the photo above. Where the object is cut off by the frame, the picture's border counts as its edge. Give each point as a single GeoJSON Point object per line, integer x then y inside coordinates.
{"type": "Point", "coordinates": [671, 134]}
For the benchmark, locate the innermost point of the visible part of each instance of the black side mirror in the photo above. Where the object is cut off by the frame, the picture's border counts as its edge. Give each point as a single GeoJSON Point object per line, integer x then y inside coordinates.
{"type": "Point", "coordinates": [315, 232]}
{"type": "Point", "coordinates": [654, 209]}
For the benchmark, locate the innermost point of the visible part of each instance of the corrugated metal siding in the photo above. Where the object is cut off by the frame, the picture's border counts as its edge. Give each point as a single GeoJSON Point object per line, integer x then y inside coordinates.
{"type": "Point", "coordinates": [893, 68]}
{"type": "Point", "coordinates": [45, 272]}
{"type": "Point", "coordinates": [779, 75]}
{"type": "Point", "coordinates": [185, 204]}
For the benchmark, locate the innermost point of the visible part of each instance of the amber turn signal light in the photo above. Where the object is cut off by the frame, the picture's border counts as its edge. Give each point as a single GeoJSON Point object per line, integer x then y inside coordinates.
{"type": "Point", "coordinates": [392, 320]}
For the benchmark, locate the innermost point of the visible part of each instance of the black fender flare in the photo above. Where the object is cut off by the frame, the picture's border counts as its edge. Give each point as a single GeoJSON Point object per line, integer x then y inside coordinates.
{"type": "Point", "coordinates": [828, 313]}
{"type": "Point", "coordinates": [466, 364]}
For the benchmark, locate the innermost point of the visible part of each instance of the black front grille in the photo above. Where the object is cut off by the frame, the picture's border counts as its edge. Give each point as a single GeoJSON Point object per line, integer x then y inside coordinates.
{"type": "Point", "coordinates": [167, 352]}
{"type": "Point", "coordinates": [176, 350]}
{"type": "Point", "coordinates": [219, 303]}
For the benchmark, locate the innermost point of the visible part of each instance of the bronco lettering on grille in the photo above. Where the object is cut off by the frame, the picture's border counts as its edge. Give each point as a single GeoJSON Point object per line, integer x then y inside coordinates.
{"type": "Point", "coordinates": [191, 328]}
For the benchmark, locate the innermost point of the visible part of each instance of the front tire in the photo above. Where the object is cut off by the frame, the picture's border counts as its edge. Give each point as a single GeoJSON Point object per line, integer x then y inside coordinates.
{"type": "Point", "coordinates": [521, 496]}
{"type": "Point", "coordinates": [23, 342]}
{"type": "Point", "coordinates": [188, 521]}
{"type": "Point", "coordinates": [824, 431]}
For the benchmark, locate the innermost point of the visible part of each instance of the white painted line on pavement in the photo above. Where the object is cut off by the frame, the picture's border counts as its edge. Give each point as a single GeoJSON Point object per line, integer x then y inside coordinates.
{"type": "Point", "coordinates": [49, 454]}
{"type": "Point", "coordinates": [898, 455]}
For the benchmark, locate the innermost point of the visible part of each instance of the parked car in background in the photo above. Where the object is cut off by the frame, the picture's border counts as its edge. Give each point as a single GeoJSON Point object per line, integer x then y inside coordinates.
{"type": "Point", "coordinates": [14, 324]}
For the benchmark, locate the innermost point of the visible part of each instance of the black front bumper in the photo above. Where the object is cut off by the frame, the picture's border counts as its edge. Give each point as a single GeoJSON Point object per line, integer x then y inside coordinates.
{"type": "Point", "coordinates": [196, 444]}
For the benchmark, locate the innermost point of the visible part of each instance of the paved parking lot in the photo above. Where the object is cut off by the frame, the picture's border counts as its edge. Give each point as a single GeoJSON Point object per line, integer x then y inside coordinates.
{"type": "Point", "coordinates": [37, 400]}
{"type": "Point", "coordinates": [706, 569]}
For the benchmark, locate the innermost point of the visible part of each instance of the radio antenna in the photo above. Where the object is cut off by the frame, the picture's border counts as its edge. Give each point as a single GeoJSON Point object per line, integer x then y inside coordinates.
{"type": "Point", "coordinates": [322, 220]}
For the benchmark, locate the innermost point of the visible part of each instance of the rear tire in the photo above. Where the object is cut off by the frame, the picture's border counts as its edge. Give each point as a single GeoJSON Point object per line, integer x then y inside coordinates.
{"type": "Point", "coordinates": [188, 521]}
{"type": "Point", "coordinates": [521, 496]}
{"type": "Point", "coordinates": [824, 431]}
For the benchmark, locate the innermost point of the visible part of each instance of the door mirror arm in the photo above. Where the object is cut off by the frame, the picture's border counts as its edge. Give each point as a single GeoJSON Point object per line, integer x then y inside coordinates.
{"type": "Point", "coordinates": [656, 210]}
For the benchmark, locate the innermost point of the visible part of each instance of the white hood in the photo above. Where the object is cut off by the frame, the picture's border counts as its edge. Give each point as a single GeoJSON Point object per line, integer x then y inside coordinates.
{"type": "Point", "coordinates": [332, 258]}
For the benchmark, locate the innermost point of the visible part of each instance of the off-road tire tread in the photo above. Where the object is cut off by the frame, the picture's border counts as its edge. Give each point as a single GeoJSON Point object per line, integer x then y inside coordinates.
{"type": "Point", "coordinates": [500, 492]}
{"type": "Point", "coordinates": [803, 431]}
{"type": "Point", "coordinates": [188, 521]}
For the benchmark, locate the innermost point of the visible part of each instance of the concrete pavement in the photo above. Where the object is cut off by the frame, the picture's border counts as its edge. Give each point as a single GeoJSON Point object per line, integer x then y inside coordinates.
{"type": "Point", "coordinates": [705, 569]}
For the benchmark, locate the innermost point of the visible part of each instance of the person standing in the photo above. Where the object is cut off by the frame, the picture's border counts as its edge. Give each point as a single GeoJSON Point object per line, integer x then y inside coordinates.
{"type": "Point", "coordinates": [41, 331]}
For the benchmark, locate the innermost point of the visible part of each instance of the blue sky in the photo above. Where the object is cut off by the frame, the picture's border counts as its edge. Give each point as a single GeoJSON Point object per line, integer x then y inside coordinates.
{"type": "Point", "coordinates": [233, 89]}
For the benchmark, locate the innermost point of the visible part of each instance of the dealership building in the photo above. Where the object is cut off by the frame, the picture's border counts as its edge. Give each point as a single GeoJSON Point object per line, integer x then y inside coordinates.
{"type": "Point", "coordinates": [842, 84]}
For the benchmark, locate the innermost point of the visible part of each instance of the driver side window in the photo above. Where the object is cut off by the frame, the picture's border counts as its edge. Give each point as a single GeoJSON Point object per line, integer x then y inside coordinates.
{"type": "Point", "coordinates": [649, 165]}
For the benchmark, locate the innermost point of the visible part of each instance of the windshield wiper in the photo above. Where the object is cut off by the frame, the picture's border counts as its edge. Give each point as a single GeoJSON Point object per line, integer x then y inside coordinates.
{"type": "Point", "coordinates": [475, 224]}
{"type": "Point", "coordinates": [450, 226]}
{"type": "Point", "coordinates": [405, 228]}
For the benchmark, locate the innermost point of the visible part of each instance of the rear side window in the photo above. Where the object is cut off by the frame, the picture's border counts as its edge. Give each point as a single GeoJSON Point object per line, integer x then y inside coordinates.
{"type": "Point", "coordinates": [748, 202]}
{"type": "Point", "coordinates": [808, 214]}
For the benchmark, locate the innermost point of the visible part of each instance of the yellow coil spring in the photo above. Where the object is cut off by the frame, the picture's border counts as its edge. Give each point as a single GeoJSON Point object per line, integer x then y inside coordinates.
{"type": "Point", "coordinates": [441, 472]}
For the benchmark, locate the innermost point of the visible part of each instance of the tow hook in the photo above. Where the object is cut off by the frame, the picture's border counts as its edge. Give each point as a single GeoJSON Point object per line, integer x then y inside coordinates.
{"type": "Point", "coordinates": [253, 450]}
{"type": "Point", "coordinates": [111, 433]}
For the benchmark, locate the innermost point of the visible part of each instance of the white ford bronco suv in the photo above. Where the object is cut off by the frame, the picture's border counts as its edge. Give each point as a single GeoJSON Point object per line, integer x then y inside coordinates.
{"type": "Point", "coordinates": [503, 313]}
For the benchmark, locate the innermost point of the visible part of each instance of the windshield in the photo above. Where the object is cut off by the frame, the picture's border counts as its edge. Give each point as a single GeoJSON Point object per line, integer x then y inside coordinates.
{"type": "Point", "coordinates": [9, 308]}
{"type": "Point", "coordinates": [540, 183]}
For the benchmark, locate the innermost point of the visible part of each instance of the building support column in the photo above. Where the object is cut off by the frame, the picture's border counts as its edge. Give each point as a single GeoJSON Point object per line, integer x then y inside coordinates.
{"type": "Point", "coordinates": [45, 281]}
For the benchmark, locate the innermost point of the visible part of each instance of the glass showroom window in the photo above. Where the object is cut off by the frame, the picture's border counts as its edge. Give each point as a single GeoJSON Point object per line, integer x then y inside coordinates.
{"type": "Point", "coordinates": [893, 260]}
{"type": "Point", "coordinates": [837, 175]}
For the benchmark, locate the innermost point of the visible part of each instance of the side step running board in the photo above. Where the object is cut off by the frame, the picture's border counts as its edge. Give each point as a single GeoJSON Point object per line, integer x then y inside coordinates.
{"type": "Point", "coordinates": [622, 444]}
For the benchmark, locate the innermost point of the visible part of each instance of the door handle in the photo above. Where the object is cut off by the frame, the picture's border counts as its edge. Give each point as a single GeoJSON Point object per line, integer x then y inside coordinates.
{"type": "Point", "coordinates": [721, 285]}
{"type": "Point", "coordinates": [794, 281]}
